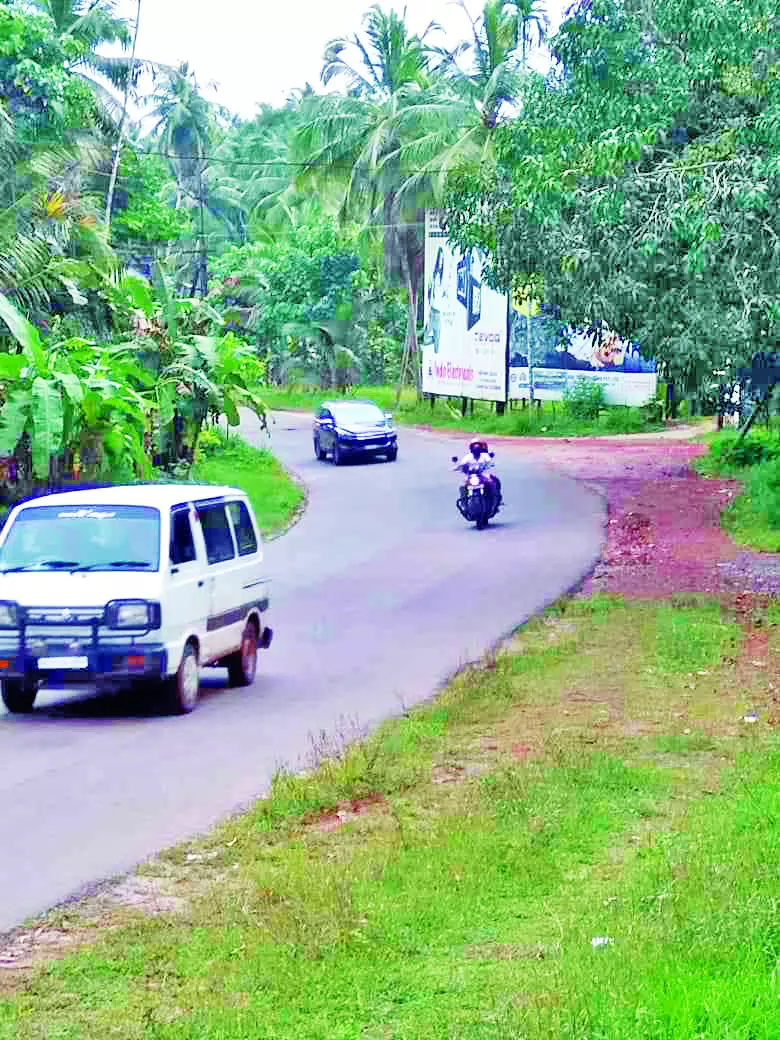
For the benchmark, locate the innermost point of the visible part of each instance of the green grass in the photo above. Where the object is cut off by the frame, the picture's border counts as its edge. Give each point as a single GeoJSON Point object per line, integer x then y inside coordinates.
{"type": "Point", "coordinates": [645, 812]}
{"type": "Point", "coordinates": [753, 519]}
{"type": "Point", "coordinates": [274, 495]}
{"type": "Point", "coordinates": [549, 420]}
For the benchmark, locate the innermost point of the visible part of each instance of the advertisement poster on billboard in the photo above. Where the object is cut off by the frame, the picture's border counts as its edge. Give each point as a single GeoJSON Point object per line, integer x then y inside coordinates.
{"type": "Point", "coordinates": [562, 355]}
{"type": "Point", "coordinates": [464, 342]}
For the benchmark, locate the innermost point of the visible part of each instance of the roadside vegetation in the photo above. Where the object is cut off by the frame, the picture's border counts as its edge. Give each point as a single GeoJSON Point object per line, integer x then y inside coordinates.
{"type": "Point", "coordinates": [753, 519]}
{"type": "Point", "coordinates": [575, 841]}
{"type": "Point", "coordinates": [575, 417]}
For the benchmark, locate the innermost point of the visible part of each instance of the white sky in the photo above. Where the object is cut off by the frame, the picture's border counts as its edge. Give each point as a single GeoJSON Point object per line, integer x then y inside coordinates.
{"type": "Point", "coordinates": [260, 51]}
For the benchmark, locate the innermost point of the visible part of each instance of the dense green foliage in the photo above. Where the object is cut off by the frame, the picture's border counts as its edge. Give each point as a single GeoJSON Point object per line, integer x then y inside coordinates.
{"type": "Point", "coordinates": [753, 518]}
{"type": "Point", "coordinates": [643, 181]}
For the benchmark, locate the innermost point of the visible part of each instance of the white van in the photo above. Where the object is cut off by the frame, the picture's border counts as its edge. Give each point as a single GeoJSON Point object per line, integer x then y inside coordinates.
{"type": "Point", "coordinates": [141, 582]}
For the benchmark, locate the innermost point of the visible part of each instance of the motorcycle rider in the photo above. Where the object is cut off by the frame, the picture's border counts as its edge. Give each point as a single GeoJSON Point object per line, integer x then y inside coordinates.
{"type": "Point", "coordinates": [479, 459]}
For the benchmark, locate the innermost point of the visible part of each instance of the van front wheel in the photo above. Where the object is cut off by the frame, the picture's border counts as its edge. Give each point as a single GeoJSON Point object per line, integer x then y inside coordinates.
{"type": "Point", "coordinates": [19, 695]}
{"type": "Point", "coordinates": [242, 665]}
{"type": "Point", "coordinates": [182, 688]}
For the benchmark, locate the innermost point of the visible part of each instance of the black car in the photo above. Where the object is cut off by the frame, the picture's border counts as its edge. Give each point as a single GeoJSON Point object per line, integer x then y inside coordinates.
{"type": "Point", "coordinates": [345, 429]}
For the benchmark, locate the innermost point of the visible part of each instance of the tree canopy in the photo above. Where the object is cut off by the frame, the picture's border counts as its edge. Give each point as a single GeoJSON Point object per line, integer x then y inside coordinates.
{"type": "Point", "coordinates": [642, 180]}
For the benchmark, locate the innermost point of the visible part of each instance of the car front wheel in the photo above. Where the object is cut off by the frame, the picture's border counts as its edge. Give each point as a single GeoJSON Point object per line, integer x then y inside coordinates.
{"type": "Point", "coordinates": [392, 455]}
{"type": "Point", "coordinates": [338, 456]}
{"type": "Point", "coordinates": [318, 449]}
{"type": "Point", "coordinates": [19, 695]}
{"type": "Point", "coordinates": [182, 689]}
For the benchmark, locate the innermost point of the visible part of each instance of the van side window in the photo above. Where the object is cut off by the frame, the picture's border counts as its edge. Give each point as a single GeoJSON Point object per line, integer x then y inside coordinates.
{"type": "Point", "coordinates": [182, 542]}
{"type": "Point", "coordinates": [216, 533]}
{"type": "Point", "coordinates": [242, 525]}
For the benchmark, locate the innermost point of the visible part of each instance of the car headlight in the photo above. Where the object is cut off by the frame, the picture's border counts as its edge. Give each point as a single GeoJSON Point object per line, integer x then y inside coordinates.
{"type": "Point", "coordinates": [9, 615]}
{"type": "Point", "coordinates": [346, 435]}
{"type": "Point", "coordinates": [132, 613]}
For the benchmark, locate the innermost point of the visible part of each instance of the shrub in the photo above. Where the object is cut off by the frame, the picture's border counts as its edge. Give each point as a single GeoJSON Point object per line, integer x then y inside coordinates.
{"type": "Point", "coordinates": [653, 411]}
{"type": "Point", "coordinates": [622, 419]}
{"type": "Point", "coordinates": [584, 400]}
{"type": "Point", "coordinates": [765, 492]}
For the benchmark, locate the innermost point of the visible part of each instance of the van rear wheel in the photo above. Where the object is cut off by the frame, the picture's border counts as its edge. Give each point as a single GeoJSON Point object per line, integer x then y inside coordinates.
{"type": "Point", "coordinates": [242, 665]}
{"type": "Point", "coordinates": [19, 695]}
{"type": "Point", "coordinates": [182, 688]}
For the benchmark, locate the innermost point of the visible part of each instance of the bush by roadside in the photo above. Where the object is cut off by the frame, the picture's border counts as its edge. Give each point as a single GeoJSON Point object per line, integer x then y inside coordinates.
{"type": "Point", "coordinates": [754, 517]}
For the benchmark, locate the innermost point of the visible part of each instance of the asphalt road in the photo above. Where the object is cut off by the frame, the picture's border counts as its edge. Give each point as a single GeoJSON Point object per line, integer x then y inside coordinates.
{"type": "Point", "coordinates": [379, 593]}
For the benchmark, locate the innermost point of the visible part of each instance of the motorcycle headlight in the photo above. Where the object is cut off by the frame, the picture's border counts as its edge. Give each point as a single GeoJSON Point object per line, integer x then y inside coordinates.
{"type": "Point", "coordinates": [132, 613]}
{"type": "Point", "coordinates": [9, 614]}
{"type": "Point", "coordinates": [473, 481]}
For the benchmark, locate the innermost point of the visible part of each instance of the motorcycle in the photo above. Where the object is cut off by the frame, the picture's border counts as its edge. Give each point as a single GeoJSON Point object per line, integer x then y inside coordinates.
{"type": "Point", "coordinates": [478, 501]}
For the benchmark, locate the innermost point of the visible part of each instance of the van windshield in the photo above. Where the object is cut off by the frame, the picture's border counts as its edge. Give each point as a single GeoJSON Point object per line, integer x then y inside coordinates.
{"type": "Point", "coordinates": [83, 537]}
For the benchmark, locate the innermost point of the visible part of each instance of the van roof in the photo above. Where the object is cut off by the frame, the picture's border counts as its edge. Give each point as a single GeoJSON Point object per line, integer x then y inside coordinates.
{"type": "Point", "coordinates": [160, 496]}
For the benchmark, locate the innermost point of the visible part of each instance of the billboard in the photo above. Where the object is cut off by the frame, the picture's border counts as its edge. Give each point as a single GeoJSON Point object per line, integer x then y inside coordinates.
{"type": "Point", "coordinates": [464, 342]}
{"type": "Point", "coordinates": [562, 355]}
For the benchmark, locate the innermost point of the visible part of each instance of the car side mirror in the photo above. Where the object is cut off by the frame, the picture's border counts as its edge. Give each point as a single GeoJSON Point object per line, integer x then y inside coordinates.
{"type": "Point", "coordinates": [454, 458]}
{"type": "Point", "coordinates": [492, 454]}
{"type": "Point", "coordinates": [388, 415]}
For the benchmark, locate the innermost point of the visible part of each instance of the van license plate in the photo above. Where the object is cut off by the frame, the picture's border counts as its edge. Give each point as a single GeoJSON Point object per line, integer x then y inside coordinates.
{"type": "Point", "coordinates": [65, 663]}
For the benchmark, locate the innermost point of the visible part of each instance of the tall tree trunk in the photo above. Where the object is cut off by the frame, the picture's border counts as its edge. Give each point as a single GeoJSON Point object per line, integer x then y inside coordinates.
{"type": "Point", "coordinates": [122, 127]}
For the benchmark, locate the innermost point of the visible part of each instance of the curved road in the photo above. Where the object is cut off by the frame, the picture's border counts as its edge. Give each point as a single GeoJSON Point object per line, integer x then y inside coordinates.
{"type": "Point", "coordinates": [378, 594]}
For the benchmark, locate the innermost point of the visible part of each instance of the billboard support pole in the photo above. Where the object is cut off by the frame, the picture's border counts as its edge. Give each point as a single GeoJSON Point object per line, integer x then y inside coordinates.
{"type": "Point", "coordinates": [501, 405]}
{"type": "Point", "coordinates": [530, 359]}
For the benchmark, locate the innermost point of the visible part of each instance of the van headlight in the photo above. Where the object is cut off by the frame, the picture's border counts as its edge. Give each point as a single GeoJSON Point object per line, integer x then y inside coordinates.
{"type": "Point", "coordinates": [132, 613]}
{"type": "Point", "coordinates": [9, 614]}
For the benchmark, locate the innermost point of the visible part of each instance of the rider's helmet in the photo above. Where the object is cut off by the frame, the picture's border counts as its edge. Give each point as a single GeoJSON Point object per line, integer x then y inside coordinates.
{"type": "Point", "coordinates": [478, 448]}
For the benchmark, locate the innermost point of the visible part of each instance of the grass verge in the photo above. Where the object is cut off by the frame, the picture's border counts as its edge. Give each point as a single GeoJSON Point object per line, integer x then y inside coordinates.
{"type": "Point", "coordinates": [551, 419]}
{"type": "Point", "coordinates": [578, 840]}
{"type": "Point", "coordinates": [753, 519]}
{"type": "Point", "coordinates": [276, 497]}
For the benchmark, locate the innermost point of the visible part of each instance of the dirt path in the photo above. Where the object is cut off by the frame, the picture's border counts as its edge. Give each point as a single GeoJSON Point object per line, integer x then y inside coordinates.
{"type": "Point", "coordinates": [664, 535]}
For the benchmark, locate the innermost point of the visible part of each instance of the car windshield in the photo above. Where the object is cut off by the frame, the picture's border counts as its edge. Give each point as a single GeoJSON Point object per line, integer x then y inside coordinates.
{"type": "Point", "coordinates": [357, 413]}
{"type": "Point", "coordinates": [83, 537]}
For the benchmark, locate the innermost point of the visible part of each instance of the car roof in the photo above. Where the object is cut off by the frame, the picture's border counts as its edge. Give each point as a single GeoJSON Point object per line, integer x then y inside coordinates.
{"type": "Point", "coordinates": [159, 496]}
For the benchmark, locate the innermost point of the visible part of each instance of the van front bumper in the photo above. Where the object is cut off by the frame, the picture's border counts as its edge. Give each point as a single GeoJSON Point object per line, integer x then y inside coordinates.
{"type": "Point", "coordinates": [60, 663]}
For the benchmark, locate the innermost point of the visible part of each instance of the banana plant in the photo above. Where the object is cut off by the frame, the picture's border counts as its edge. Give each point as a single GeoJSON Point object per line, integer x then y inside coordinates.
{"type": "Point", "coordinates": [199, 368]}
{"type": "Point", "coordinates": [64, 397]}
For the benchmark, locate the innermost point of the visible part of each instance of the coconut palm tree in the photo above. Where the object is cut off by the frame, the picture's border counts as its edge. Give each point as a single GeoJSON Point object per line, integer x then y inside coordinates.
{"type": "Point", "coordinates": [355, 141]}
{"type": "Point", "coordinates": [122, 126]}
{"type": "Point", "coordinates": [94, 24]}
{"type": "Point", "coordinates": [534, 26]}
{"type": "Point", "coordinates": [183, 122]}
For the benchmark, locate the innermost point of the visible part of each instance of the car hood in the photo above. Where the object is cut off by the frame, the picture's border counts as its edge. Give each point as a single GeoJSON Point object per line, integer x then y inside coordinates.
{"type": "Point", "coordinates": [79, 589]}
{"type": "Point", "coordinates": [363, 427]}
